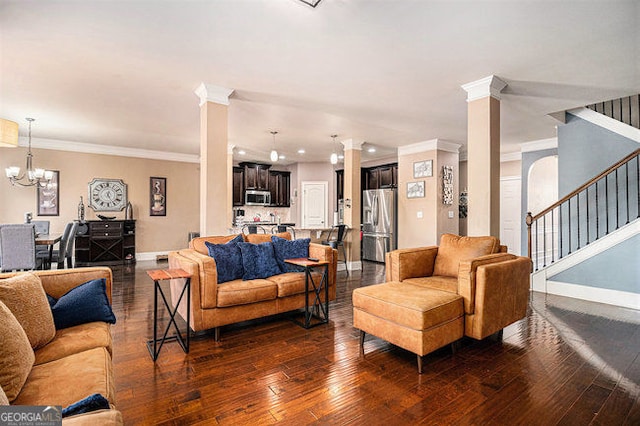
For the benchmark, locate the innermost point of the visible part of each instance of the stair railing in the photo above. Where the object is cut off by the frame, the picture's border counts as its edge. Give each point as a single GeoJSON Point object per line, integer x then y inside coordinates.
{"type": "Point", "coordinates": [602, 205]}
{"type": "Point", "coordinates": [625, 109]}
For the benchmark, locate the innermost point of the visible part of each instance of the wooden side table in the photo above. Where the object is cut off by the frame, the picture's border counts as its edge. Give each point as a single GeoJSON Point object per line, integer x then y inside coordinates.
{"type": "Point", "coordinates": [156, 343]}
{"type": "Point", "coordinates": [316, 309]}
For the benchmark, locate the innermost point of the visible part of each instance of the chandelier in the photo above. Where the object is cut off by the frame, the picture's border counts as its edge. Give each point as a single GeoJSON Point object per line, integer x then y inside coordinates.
{"type": "Point", "coordinates": [30, 176]}
{"type": "Point", "coordinates": [274, 153]}
{"type": "Point", "coordinates": [334, 154]}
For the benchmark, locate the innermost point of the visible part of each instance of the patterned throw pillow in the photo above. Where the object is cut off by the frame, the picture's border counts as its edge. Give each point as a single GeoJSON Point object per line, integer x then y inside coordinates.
{"type": "Point", "coordinates": [285, 249]}
{"type": "Point", "coordinates": [16, 354]}
{"type": "Point", "coordinates": [24, 296]}
{"type": "Point", "coordinates": [228, 259]}
{"type": "Point", "coordinates": [258, 261]}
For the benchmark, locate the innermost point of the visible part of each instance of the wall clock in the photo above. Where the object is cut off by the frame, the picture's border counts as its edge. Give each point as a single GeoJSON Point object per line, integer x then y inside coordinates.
{"type": "Point", "coordinates": [107, 195]}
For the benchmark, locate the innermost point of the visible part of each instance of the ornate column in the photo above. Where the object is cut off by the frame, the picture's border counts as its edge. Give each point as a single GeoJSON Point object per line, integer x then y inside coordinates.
{"type": "Point", "coordinates": [215, 178]}
{"type": "Point", "coordinates": [352, 200]}
{"type": "Point", "coordinates": [483, 148]}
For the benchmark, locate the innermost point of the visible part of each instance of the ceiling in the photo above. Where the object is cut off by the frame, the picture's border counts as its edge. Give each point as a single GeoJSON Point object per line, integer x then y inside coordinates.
{"type": "Point", "coordinates": [123, 73]}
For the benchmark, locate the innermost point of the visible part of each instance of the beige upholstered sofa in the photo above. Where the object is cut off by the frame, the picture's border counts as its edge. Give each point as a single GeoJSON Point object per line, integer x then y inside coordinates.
{"type": "Point", "coordinates": [214, 305]}
{"type": "Point", "coordinates": [67, 365]}
{"type": "Point", "coordinates": [467, 286]}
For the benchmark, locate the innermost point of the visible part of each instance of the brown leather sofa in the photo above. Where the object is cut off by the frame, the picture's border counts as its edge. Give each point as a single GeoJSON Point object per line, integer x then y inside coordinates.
{"type": "Point", "coordinates": [467, 286]}
{"type": "Point", "coordinates": [214, 305]}
{"type": "Point", "coordinates": [77, 361]}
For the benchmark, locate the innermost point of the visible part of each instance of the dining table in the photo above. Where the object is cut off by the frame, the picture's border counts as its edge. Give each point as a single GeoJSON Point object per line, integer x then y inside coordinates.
{"type": "Point", "coordinates": [49, 240]}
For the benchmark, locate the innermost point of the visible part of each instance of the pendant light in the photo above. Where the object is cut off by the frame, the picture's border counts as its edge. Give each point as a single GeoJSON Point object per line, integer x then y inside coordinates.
{"type": "Point", "coordinates": [334, 154]}
{"type": "Point", "coordinates": [274, 153]}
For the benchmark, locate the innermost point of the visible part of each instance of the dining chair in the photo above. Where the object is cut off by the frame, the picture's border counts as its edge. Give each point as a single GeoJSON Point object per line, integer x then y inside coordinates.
{"type": "Point", "coordinates": [42, 228]}
{"type": "Point", "coordinates": [17, 247]}
{"type": "Point", "coordinates": [65, 250]}
{"type": "Point", "coordinates": [337, 240]}
{"type": "Point", "coordinates": [284, 228]}
{"type": "Point", "coordinates": [253, 229]}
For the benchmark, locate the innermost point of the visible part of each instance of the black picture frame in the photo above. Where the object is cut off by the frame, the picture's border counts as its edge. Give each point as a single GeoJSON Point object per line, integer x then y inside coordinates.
{"type": "Point", "coordinates": [157, 196]}
{"type": "Point", "coordinates": [49, 196]}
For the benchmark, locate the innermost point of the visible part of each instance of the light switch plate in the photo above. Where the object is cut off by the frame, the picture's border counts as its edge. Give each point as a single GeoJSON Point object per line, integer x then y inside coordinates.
{"type": "Point", "coordinates": [450, 215]}
{"type": "Point", "coordinates": [419, 215]}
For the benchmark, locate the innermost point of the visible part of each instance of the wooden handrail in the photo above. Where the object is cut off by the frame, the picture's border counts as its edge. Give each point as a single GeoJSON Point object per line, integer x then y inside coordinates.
{"type": "Point", "coordinates": [530, 219]}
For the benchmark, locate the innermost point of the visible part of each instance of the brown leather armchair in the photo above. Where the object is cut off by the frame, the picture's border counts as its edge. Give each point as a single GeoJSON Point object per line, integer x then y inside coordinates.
{"type": "Point", "coordinates": [484, 288]}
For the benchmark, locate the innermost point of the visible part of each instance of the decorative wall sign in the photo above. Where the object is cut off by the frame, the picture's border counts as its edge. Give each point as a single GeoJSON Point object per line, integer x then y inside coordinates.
{"type": "Point", "coordinates": [464, 202]}
{"type": "Point", "coordinates": [107, 195]}
{"type": "Point", "coordinates": [447, 185]}
{"type": "Point", "coordinates": [49, 197]}
{"type": "Point", "coordinates": [415, 189]}
{"type": "Point", "coordinates": [423, 169]}
{"type": "Point", "coordinates": [158, 196]}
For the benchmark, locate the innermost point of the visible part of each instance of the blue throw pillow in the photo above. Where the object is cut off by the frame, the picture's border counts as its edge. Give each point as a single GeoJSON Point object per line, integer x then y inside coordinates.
{"type": "Point", "coordinates": [290, 249]}
{"type": "Point", "coordinates": [86, 303]}
{"type": "Point", "coordinates": [258, 261]}
{"type": "Point", "coordinates": [228, 259]}
{"type": "Point", "coordinates": [91, 403]}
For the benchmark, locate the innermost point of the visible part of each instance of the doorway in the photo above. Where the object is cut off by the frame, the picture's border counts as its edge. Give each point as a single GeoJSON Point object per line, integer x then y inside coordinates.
{"type": "Point", "coordinates": [314, 204]}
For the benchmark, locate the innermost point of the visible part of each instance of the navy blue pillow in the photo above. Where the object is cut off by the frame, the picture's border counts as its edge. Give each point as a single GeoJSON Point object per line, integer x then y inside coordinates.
{"type": "Point", "coordinates": [228, 259]}
{"type": "Point", "coordinates": [258, 261]}
{"type": "Point", "coordinates": [86, 303]}
{"type": "Point", "coordinates": [91, 403]}
{"type": "Point", "coordinates": [290, 249]}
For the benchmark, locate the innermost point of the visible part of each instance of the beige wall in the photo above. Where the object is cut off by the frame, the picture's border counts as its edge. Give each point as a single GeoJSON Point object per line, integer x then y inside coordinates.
{"type": "Point", "coordinates": [153, 234]}
{"type": "Point", "coordinates": [312, 172]}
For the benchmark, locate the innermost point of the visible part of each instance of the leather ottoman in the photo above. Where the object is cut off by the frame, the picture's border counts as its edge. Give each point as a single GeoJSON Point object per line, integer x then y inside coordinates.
{"type": "Point", "coordinates": [412, 317]}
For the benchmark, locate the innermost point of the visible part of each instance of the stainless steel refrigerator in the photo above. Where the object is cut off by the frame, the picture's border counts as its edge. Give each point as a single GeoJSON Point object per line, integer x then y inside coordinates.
{"type": "Point", "coordinates": [379, 230]}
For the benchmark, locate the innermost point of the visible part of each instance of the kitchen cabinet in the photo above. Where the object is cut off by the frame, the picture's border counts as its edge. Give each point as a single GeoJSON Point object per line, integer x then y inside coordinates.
{"type": "Point", "coordinates": [380, 177]}
{"type": "Point", "coordinates": [256, 176]}
{"type": "Point", "coordinates": [238, 186]}
{"type": "Point", "coordinates": [280, 186]}
{"type": "Point", "coordinates": [106, 242]}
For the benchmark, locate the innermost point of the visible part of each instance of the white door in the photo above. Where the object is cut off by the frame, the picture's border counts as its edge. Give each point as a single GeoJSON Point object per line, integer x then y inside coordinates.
{"type": "Point", "coordinates": [314, 204]}
{"type": "Point", "coordinates": [511, 219]}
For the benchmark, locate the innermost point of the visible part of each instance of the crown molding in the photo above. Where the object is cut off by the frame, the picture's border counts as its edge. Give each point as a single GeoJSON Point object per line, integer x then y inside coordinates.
{"type": "Point", "coordinates": [210, 93]}
{"type": "Point", "coordinates": [430, 145]}
{"type": "Point", "coordinates": [488, 86]}
{"type": "Point", "coordinates": [352, 144]}
{"type": "Point", "coordinates": [539, 145]}
{"type": "Point", "coordinates": [120, 151]}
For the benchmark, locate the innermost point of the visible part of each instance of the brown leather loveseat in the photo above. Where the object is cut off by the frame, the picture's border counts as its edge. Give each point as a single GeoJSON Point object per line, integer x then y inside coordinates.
{"type": "Point", "coordinates": [467, 286]}
{"type": "Point", "coordinates": [214, 305]}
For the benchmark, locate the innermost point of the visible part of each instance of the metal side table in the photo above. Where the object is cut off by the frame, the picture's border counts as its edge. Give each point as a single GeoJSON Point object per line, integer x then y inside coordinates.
{"type": "Point", "coordinates": [316, 309]}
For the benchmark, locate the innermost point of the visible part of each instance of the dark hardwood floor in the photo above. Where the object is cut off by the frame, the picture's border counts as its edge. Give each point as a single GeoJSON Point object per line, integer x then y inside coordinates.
{"type": "Point", "coordinates": [568, 362]}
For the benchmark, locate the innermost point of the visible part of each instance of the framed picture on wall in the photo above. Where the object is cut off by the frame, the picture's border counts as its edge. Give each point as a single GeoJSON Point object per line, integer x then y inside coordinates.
{"type": "Point", "coordinates": [423, 169]}
{"type": "Point", "coordinates": [49, 197]}
{"type": "Point", "coordinates": [158, 196]}
{"type": "Point", "coordinates": [415, 189]}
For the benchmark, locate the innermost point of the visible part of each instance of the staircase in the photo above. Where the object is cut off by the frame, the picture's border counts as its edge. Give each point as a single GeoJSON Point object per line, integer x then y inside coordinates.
{"type": "Point", "coordinates": [602, 213]}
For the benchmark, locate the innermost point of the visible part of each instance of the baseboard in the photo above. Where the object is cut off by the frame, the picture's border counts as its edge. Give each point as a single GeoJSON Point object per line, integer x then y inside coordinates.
{"type": "Point", "coordinates": [150, 255]}
{"type": "Point", "coordinates": [593, 294]}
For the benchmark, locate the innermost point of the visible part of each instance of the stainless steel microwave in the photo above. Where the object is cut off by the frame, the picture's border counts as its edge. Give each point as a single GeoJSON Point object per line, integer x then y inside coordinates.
{"type": "Point", "coordinates": [257, 198]}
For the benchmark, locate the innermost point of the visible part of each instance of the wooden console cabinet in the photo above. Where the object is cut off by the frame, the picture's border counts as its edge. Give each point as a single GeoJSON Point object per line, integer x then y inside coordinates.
{"type": "Point", "coordinates": [106, 242]}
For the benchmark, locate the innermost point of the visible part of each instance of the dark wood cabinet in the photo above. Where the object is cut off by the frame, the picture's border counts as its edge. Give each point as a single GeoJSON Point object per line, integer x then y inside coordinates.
{"type": "Point", "coordinates": [256, 176]}
{"type": "Point", "coordinates": [339, 185]}
{"type": "Point", "coordinates": [106, 242]}
{"type": "Point", "coordinates": [238, 186]}
{"type": "Point", "coordinates": [280, 187]}
{"type": "Point", "coordinates": [380, 177]}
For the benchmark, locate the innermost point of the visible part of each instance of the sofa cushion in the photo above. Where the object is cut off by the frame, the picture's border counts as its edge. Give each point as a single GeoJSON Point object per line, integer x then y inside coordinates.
{"type": "Point", "coordinates": [436, 282]}
{"type": "Point", "coordinates": [228, 259]}
{"type": "Point", "coordinates": [454, 248]}
{"type": "Point", "coordinates": [69, 379]}
{"type": "Point", "coordinates": [258, 260]}
{"type": "Point", "coordinates": [263, 238]}
{"type": "Point", "coordinates": [286, 249]}
{"type": "Point", "coordinates": [76, 339]}
{"type": "Point", "coordinates": [291, 283]}
{"type": "Point", "coordinates": [239, 292]}
{"type": "Point", "coordinates": [85, 303]}
{"type": "Point", "coordinates": [24, 296]}
{"type": "Point", "coordinates": [16, 354]}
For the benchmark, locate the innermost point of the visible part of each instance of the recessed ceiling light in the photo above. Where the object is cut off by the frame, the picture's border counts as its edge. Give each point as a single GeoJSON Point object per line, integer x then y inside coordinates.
{"type": "Point", "coordinates": [242, 152]}
{"type": "Point", "coordinates": [301, 151]}
{"type": "Point", "coordinates": [372, 149]}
